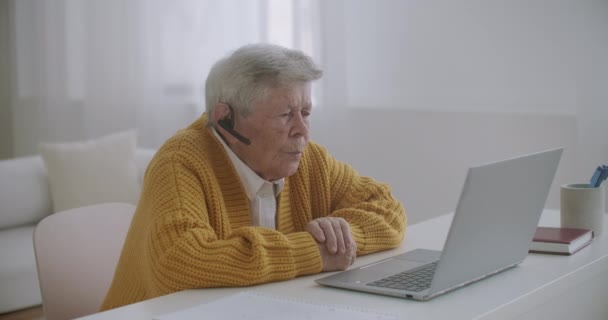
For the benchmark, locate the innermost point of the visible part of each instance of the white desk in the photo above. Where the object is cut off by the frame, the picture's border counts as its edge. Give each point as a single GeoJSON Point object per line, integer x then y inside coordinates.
{"type": "Point", "coordinates": [543, 286]}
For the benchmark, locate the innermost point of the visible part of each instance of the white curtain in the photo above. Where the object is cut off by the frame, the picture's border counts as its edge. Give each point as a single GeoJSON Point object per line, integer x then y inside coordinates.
{"type": "Point", "coordinates": [83, 69]}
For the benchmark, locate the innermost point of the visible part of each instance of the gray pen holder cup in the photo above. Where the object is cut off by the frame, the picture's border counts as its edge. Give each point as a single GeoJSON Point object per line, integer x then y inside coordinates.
{"type": "Point", "coordinates": [582, 206]}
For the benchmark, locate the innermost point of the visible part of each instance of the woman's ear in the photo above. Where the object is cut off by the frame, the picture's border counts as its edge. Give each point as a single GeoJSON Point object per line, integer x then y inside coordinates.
{"type": "Point", "coordinates": [220, 111]}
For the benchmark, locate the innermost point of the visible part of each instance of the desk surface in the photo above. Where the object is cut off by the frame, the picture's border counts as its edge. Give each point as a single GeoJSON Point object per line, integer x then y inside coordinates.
{"type": "Point", "coordinates": [514, 292]}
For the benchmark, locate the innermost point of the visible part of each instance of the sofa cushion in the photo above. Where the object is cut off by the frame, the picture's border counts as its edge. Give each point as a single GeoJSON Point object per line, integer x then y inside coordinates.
{"type": "Point", "coordinates": [91, 172]}
{"type": "Point", "coordinates": [18, 276]}
{"type": "Point", "coordinates": [24, 193]}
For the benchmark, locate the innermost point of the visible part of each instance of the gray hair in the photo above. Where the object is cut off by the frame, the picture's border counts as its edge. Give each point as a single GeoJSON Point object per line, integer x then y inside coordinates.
{"type": "Point", "coordinates": [245, 76]}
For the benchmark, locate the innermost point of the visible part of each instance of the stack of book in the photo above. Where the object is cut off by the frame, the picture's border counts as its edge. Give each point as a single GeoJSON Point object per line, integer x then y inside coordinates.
{"type": "Point", "coordinates": [565, 241]}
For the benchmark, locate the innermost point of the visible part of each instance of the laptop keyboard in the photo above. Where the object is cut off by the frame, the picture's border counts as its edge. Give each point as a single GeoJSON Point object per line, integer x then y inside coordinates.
{"type": "Point", "coordinates": [417, 280]}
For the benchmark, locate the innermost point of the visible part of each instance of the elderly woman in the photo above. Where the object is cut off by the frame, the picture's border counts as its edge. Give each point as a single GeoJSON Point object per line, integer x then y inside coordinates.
{"type": "Point", "coordinates": [241, 197]}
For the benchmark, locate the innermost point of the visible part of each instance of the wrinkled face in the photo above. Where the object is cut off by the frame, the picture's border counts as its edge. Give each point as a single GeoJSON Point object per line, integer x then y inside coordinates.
{"type": "Point", "coordinates": [278, 129]}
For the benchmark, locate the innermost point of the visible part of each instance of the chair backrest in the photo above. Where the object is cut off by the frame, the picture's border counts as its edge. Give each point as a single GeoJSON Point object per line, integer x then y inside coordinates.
{"type": "Point", "coordinates": [76, 253]}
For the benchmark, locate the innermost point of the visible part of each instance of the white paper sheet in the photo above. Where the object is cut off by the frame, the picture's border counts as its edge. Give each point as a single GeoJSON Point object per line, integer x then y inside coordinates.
{"type": "Point", "coordinates": [251, 305]}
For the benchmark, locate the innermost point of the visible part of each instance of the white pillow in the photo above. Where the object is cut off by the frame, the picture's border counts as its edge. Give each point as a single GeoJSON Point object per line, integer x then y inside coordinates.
{"type": "Point", "coordinates": [91, 172]}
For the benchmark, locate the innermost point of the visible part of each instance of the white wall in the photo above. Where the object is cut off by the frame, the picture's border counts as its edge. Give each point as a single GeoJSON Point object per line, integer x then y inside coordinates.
{"type": "Point", "coordinates": [491, 78]}
{"type": "Point", "coordinates": [495, 56]}
{"type": "Point", "coordinates": [592, 109]}
{"type": "Point", "coordinates": [6, 127]}
{"type": "Point", "coordinates": [424, 155]}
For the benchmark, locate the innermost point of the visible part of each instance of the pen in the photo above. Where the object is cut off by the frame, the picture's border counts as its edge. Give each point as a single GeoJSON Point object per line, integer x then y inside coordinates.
{"type": "Point", "coordinates": [600, 174]}
{"type": "Point", "coordinates": [603, 176]}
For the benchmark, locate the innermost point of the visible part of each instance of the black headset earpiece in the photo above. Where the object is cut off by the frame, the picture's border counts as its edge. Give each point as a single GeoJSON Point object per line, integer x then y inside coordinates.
{"type": "Point", "coordinates": [227, 124]}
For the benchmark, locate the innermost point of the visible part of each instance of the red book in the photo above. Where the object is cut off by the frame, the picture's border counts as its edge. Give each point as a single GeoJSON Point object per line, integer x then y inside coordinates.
{"type": "Point", "coordinates": [560, 240]}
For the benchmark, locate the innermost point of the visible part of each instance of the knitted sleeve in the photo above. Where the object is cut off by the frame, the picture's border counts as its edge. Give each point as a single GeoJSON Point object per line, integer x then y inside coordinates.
{"type": "Point", "coordinates": [190, 244]}
{"type": "Point", "coordinates": [377, 220]}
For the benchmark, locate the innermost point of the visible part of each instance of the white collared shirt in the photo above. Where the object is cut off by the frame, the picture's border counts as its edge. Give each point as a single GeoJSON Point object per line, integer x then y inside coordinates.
{"type": "Point", "coordinates": [262, 194]}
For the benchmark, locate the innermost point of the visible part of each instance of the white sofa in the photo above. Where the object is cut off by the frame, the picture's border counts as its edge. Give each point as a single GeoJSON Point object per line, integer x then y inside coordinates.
{"type": "Point", "coordinates": [25, 199]}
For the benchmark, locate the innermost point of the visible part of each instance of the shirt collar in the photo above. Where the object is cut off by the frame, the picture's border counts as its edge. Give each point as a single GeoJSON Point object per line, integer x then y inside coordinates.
{"type": "Point", "coordinates": [252, 182]}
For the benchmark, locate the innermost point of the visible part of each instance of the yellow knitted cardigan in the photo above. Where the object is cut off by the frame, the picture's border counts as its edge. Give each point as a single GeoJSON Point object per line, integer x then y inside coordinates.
{"type": "Point", "coordinates": [192, 226]}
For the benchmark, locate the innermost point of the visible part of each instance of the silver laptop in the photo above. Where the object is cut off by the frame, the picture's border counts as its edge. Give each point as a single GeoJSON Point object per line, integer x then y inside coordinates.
{"type": "Point", "coordinates": [497, 214]}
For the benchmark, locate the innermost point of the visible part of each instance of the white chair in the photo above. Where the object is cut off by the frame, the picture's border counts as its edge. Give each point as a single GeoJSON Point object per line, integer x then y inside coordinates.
{"type": "Point", "coordinates": [76, 253]}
